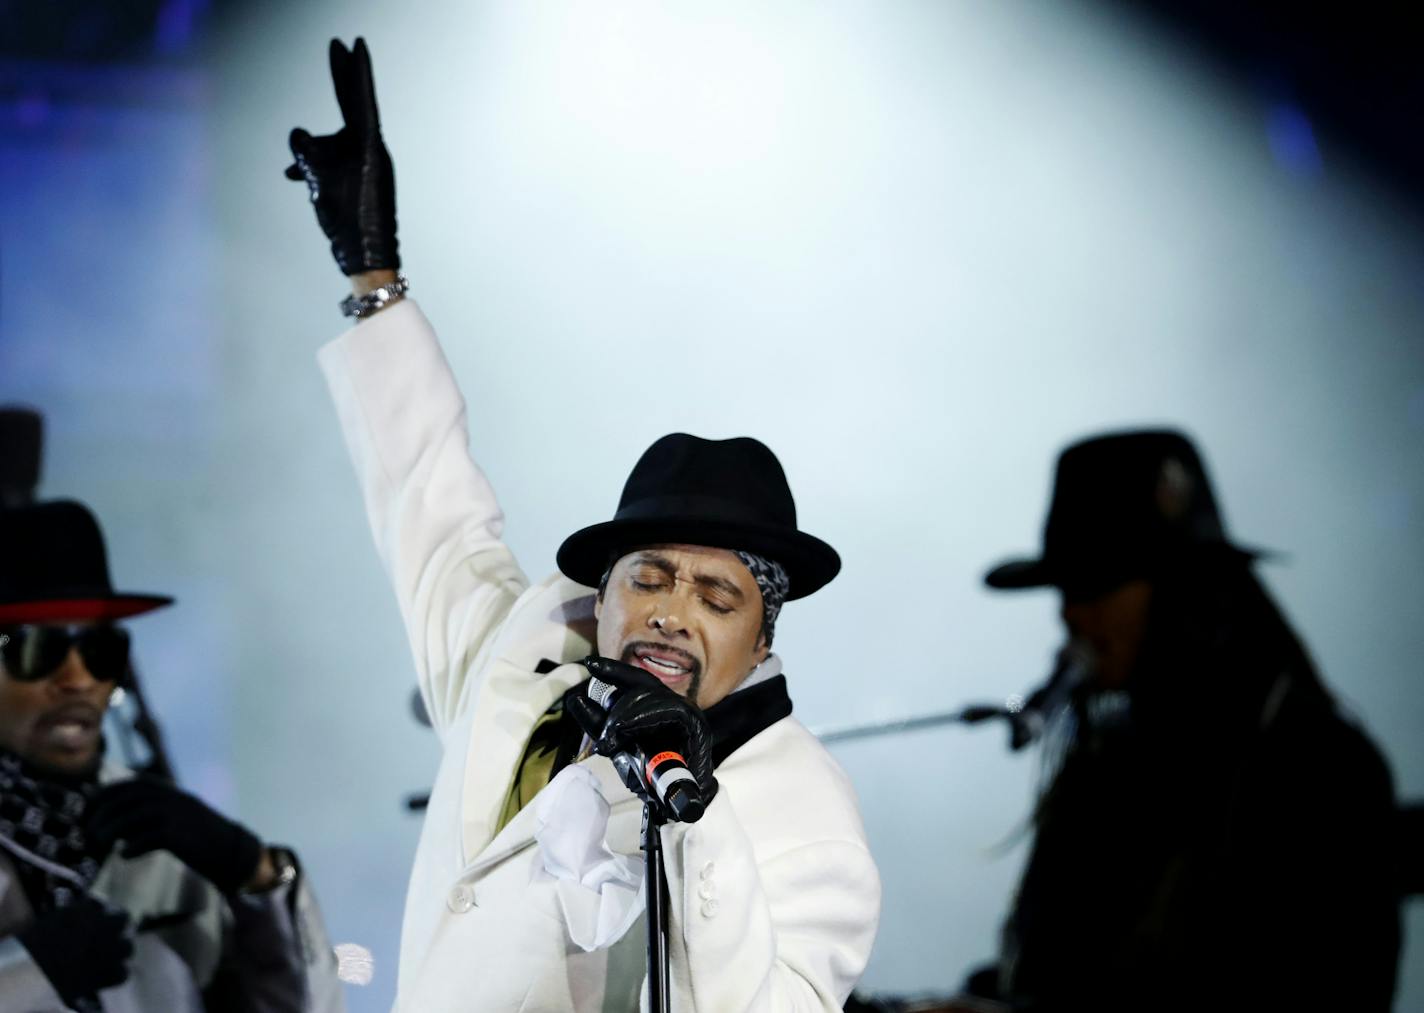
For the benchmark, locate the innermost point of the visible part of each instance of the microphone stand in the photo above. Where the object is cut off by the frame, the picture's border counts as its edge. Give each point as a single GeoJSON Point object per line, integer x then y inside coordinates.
{"type": "Point", "coordinates": [656, 889]}
{"type": "Point", "coordinates": [591, 718]}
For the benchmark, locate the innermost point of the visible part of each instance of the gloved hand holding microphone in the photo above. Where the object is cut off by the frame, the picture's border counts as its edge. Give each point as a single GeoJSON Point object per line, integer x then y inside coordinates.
{"type": "Point", "coordinates": [660, 742]}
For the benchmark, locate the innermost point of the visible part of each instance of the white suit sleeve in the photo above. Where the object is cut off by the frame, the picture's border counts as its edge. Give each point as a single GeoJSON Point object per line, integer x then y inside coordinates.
{"type": "Point", "coordinates": [434, 516]}
{"type": "Point", "coordinates": [789, 931]}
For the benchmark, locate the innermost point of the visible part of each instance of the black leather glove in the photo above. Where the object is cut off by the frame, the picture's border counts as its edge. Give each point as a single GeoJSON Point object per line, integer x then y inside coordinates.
{"type": "Point", "coordinates": [81, 948]}
{"type": "Point", "coordinates": [151, 815]}
{"type": "Point", "coordinates": [349, 173]}
{"type": "Point", "coordinates": [648, 716]}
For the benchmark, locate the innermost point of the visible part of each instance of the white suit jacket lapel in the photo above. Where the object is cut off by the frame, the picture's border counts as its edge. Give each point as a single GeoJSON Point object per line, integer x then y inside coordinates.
{"type": "Point", "coordinates": [511, 700]}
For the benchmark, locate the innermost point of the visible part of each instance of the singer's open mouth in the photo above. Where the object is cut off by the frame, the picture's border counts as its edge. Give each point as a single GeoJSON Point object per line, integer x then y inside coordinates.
{"type": "Point", "coordinates": [669, 664]}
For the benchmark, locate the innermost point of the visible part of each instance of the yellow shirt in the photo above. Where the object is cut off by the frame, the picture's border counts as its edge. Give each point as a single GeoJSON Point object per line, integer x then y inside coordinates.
{"type": "Point", "coordinates": [540, 762]}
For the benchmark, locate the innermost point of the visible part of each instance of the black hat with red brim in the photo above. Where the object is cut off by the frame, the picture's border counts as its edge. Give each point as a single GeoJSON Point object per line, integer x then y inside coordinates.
{"type": "Point", "coordinates": [727, 494]}
{"type": "Point", "coordinates": [53, 568]}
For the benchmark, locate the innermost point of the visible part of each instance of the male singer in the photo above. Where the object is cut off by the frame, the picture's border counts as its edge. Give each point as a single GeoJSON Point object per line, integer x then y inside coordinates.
{"type": "Point", "coordinates": [527, 887]}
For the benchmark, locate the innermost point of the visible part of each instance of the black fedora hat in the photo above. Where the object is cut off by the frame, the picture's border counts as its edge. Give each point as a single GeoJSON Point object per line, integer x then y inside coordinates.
{"type": "Point", "coordinates": [53, 568]}
{"type": "Point", "coordinates": [1125, 504]}
{"type": "Point", "coordinates": [728, 494]}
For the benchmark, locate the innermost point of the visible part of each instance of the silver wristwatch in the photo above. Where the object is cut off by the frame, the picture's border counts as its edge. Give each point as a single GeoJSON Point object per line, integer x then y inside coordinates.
{"type": "Point", "coordinates": [360, 306]}
{"type": "Point", "coordinates": [284, 864]}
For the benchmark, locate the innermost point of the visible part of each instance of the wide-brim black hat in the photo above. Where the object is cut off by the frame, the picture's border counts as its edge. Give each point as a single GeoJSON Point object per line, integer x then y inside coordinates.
{"type": "Point", "coordinates": [53, 568]}
{"type": "Point", "coordinates": [1125, 505]}
{"type": "Point", "coordinates": [727, 494]}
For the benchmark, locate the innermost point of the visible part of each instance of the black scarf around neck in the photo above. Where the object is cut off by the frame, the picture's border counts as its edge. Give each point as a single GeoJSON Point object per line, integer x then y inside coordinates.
{"type": "Point", "coordinates": [735, 719]}
{"type": "Point", "coordinates": [740, 717]}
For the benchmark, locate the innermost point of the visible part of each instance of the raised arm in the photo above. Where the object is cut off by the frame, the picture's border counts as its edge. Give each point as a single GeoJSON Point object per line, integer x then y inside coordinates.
{"type": "Point", "coordinates": [434, 516]}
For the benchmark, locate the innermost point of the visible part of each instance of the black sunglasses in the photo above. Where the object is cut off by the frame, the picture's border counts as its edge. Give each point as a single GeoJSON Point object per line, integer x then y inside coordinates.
{"type": "Point", "coordinates": [32, 652]}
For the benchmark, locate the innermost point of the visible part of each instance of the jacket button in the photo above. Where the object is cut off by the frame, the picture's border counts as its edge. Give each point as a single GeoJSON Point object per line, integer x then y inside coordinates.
{"type": "Point", "coordinates": [709, 907]}
{"type": "Point", "coordinates": [709, 869]}
{"type": "Point", "coordinates": [707, 891]}
{"type": "Point", "coordinates": [460, 899]}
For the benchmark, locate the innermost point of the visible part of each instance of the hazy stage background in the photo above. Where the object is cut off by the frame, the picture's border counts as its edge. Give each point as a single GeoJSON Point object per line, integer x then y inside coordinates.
{"type": "Point", "coordinates": [914, 247]}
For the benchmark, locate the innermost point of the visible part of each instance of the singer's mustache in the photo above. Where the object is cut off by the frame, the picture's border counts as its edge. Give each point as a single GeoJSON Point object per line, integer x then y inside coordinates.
{"type": "Point", "coordinates": [688, 661]}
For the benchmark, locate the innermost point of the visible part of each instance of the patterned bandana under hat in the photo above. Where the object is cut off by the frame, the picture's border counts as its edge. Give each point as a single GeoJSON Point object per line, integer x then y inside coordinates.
{"type": "Point", "coordinates": [771, 578]}
{"type": "Point", "coordinates": [41, 830]}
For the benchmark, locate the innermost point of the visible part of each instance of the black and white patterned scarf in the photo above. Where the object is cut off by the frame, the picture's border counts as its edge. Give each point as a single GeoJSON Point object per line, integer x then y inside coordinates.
{"type": "Point", "coordinates": [41, 830]}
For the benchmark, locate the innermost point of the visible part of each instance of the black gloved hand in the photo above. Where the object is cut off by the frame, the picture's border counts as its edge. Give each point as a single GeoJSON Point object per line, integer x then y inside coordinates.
{"type": "Point", "coordinates": [648, 716]}
{"type": "Point", "coordinates": [81, 948]}
{"type": "Point", "coordinates": [151, 815]}
{"type": "Point", "coordinates": [349, 173]}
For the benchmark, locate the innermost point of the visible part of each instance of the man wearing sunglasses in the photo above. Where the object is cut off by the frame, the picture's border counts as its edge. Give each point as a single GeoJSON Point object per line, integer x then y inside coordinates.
{"type": "Point", "coordinates": [118, 892]}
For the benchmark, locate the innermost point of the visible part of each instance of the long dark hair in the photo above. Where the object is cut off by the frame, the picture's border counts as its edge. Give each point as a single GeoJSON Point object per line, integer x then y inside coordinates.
{"type": "Point", "coordinates": [1217, 657]}
{"type": "Point", "coordinates": [1217, 647]}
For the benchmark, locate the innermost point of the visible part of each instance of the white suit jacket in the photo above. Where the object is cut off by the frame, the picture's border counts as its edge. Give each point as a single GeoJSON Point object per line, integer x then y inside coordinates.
{"type": "Point", "coordinates": [774, 895]}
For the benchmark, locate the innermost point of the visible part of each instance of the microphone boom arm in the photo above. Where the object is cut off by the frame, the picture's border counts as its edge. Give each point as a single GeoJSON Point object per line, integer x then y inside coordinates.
{"type": "Point", "coordinates": [964, 716]}
{"type": "Point", "coordinates": [1027, 718]}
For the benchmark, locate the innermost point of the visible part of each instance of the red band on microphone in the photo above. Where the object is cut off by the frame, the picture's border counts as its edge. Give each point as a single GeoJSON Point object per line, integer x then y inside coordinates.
{"type": "Point", "coordinates": [663, 757]}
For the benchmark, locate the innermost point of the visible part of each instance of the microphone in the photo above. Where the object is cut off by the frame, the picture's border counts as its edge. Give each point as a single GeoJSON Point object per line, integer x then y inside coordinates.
{"type": "Point", "coordinates": [1075, 665]}
{"type": "Point", "coordinates": [664, 776]}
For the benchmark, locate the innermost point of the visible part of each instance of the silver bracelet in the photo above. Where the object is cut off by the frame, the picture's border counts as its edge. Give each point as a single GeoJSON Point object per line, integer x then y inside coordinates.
{"type": "Point", "coordinates": [360, 306]}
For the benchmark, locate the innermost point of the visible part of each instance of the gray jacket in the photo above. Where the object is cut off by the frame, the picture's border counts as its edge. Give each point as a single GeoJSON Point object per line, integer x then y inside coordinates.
{"type": "Point", "coordinates": [264, 953]}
